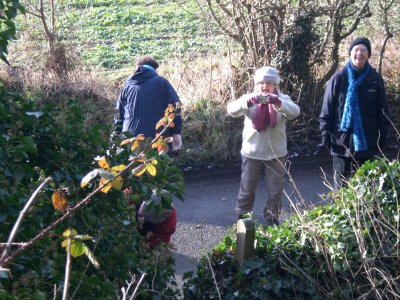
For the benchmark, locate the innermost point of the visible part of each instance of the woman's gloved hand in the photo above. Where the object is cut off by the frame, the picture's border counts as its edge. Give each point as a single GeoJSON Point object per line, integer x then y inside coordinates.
{"type": "Point", "coordinates": [274, 99]}
{"type": "Point", "coordinates": [252, 99]}
{"type": "Point", "coordinates": [176, 142]}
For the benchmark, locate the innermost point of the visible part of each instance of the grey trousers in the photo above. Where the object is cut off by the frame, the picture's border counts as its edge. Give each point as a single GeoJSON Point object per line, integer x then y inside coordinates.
{"type": "Point", "coordinates": [275, 181]}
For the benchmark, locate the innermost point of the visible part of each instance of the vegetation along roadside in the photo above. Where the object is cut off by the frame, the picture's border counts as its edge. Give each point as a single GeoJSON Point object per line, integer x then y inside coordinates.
{"type": "Point", "coordinates": [64, 72]}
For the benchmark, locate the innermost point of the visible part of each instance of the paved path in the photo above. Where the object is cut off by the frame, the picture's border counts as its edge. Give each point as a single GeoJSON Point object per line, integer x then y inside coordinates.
{"type": "Point", "coordinates": [208, 210]}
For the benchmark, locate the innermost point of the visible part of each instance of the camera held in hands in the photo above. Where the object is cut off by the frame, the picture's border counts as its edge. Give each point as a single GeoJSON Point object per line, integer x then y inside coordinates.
{"type": "Point", "coordinates": [262, 99]}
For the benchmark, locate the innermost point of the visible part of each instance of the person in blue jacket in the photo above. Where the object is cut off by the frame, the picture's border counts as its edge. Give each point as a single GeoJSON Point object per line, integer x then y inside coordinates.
{"type": "Point", "coordinates": [354, 118]}
{"type": "Point", "coordinates": [143, 101]}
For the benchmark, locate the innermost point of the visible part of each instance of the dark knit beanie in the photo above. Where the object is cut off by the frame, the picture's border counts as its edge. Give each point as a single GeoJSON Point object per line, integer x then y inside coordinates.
{"type": "Point", "coordinates": [147, 60]}
{"type": "Point", "coordinates": [361, 40]}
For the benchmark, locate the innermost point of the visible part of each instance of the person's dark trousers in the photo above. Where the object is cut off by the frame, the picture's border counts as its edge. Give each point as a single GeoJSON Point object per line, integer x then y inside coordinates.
{"type": "Point", "coordinates": [343, 167]}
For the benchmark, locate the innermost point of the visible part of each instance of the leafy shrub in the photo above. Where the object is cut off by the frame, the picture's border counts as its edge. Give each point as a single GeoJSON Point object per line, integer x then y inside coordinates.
{"type": "Point", "coordinates": [346, 250]}
{"type": "Point", "coordinates": [9, 10]}
{"type": "Point", "coordinates": [38, 141]}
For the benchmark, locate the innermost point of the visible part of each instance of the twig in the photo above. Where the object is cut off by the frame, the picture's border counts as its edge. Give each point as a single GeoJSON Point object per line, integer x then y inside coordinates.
{"type": "Point", "coordinates": [210, 265]}
{"type": "Point", "coordinates": [21, 217]}
{"type": "Point", "coordinates": [67, 271]}
{"type": "Point", "coordinates": [137, 286]}
{"type": "Point", "coordinates": [307, 276]}
{"type": "Point", "coordinates": [84, 272]}
{"type": "Point", "coordinates": [129, 285]}
{"type": "Point", "coordinates": [12, 244]}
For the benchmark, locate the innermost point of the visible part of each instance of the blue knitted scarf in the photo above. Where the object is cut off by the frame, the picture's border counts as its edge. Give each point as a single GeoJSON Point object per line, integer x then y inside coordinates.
{"type": "Point", "coordinates": [351, 115]}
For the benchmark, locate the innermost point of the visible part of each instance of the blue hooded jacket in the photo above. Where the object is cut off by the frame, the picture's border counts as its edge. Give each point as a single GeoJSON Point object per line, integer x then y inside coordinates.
{"type": "Point", "coordinates": [142, 103]}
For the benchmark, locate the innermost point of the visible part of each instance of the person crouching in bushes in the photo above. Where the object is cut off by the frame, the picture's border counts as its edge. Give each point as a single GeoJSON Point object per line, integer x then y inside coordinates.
{"type": "Point", "coordinates": [264, 146]}
{"type": "Point", "coordinates": [158, 226]}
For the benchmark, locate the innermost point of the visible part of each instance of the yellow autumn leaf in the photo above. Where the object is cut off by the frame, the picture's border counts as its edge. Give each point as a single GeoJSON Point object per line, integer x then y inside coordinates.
{"type": "Point", "coordinates": [135, 144]}
{"type": "Point", "coordinates": [154, 162]}
{"type": "Point", "coordinates": [107, 186]}
{"type": "Point", "coordinates": [140, 137]}
{"type": "Point", "coordinates": [159, 124]}
{"type": "Point", "coordinates": [138, 171]}
{"type": "Point", "coordinates": [103, 163]}
{"type": "Point", "coordinates": [151, 169]}
{"type": "Point", "coordinates": [64, 243]}
{"type": "Point", "coordinates": [118, 183]}
{"type": "Point", "coordinates": [124, 142]}
{"type": "Point", "coordinates": [70, 232]}
{"type": "Point", "coordinates": [117, 169]}
{"type": "Point", "coordinates": [59, 200]}
{"type": "Point", "coordinates": [156, 144]}
{"type": "Point", "coordinates": [162, 148]}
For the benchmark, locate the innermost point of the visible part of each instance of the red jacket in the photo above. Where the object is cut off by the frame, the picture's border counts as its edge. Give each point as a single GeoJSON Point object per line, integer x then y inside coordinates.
{"type": "Point", "coordinates": [161, 232]}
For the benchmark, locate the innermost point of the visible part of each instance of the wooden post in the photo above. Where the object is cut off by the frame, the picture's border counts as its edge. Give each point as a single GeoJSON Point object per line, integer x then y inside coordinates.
{"type": "Point", "coordinates": [245, 236]}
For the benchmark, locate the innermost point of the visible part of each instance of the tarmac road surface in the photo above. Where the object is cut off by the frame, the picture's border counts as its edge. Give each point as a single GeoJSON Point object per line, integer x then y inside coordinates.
{"type": "Point", "coordinates": [208, 210]}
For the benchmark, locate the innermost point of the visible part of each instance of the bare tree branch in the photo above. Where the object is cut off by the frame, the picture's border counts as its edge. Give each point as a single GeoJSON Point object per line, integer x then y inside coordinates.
{"type": "Point", "coordinates": [385, 7]}
{"type": "Point", "coordinates": [67, 271]}
{"type": "Point", "coordinates": [21, 218]}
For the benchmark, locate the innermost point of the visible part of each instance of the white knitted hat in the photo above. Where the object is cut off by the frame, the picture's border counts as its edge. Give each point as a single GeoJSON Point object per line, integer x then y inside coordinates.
{"type": "Point", "coordinates": [153, 214]}
{"type": "Point", "coordinates": [267, 74]}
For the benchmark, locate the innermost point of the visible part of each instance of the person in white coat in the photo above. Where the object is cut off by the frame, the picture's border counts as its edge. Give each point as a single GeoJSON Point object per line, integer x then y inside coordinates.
{"type": "Point", "coordinates": [264, 146]}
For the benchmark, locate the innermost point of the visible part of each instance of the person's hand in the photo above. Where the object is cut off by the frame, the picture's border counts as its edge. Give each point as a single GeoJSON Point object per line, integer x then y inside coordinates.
{"type": "Point", "coordinates": [325, 145]}
{"type": "Point", "coordinates": [176, 142]}
{"type": "Point", "coordinates": [326, 141]}
{"type": "Point", "coordinates": [252, 99]}
{"type": "Point", "coordinates": [274, 99]}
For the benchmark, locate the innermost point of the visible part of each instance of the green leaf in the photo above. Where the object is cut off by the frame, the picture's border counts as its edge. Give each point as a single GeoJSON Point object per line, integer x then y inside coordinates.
{"type": "Point", "coordinates": [91, 257]}
{"type": "Point", "coordinates": [4, 295]}
{"type": "Point", "coordinates": [337, 266]}
{"type": "Point", "coordinates": [228, 241]}
{"type": "Point", "coordinates": [29, 144]}
{"type": "Point", "coordinates": [172, 187]}
{"type": "Point", "coordinates": [70, 232]}
{"type": "Point", "coordinates": [106, 175]}
{"type": "Point", "coordinates": [166, 200]}
{"type": "Point", "coordinates": [88, 177]}
{"type": "Point", "coordinates": [187, 275]}
{"type": "Point", "coordinates": [38, 295]}
{"type": "Point", "coordinates": [83, 237]}
{"type": "Point", "coordinates": [180, 196]}
{"type": "Point", "coordinates": [77, 248]}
